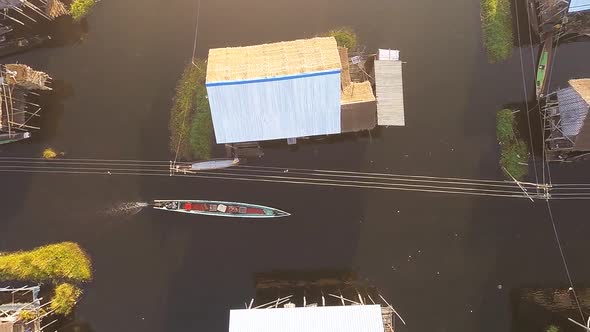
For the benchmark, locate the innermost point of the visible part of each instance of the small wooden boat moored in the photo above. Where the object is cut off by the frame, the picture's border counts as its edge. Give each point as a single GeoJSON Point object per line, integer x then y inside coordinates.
{"type": "Point", "coordinates": [204, 165]}
{"type": "Point", "coordinates": [219, 208]}
{"type": "Point", "coordinates": [543, 66]}
{"type": "Point", "coordinates": [6, 138]}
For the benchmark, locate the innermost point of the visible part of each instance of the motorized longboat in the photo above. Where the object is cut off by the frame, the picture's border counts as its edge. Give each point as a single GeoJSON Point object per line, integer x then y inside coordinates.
{"type": "Point", "coordinates": [219, 208]}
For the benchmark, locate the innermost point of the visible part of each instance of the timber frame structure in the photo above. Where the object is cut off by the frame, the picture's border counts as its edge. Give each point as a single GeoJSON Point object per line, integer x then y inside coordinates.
{"type": "Point", "coordinates": [20, 309]}
{"type": "Point", "coordinates": [319, 288]}
{"type": "Point", "coordinates": [17, 113]}
{"type": "Point", "coordinates": [388, 313]}
{"type": "Point", "coordinates": [25, 24]}
{"type": "Point", "coordinates": [566, 122]}
{"type": "Point", "coordinates": [553, 18]}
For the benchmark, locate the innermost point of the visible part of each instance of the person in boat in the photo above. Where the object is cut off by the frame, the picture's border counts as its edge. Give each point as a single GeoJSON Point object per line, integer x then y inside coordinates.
{"type": "Point", "coordinates": [172, 205]}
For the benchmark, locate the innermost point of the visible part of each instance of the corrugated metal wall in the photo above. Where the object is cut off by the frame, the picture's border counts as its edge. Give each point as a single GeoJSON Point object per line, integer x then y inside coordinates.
{"type": "Point", "coordinates": [354, 318]}
{"type": "Point", "coordinates": [579, 5]}
{"type": "Point", "coordinates": [275, 108]}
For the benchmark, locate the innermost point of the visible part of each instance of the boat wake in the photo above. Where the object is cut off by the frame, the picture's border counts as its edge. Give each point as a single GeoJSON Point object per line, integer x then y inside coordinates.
{"type": "Point", "coordinates": [126, 209]}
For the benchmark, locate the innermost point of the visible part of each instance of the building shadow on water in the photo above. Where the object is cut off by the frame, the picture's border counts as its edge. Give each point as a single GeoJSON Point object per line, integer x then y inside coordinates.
{"type": "Point", "coordinates": [50, 116]}
{"type": "Point", "coordinates": [521, 24]}
{"type": "Point", "coordinates": [70, 324]}
{"type": "Point", "coordinates": [535, 308]}
{"type": "Point", "coordinates": [64, 31]}
{"type": "Point", "coordinates": [59, 32]}
{"type": "Point", "coordinates": [52, 104]}
{"type": "Point", "coordinates": [530, 128]}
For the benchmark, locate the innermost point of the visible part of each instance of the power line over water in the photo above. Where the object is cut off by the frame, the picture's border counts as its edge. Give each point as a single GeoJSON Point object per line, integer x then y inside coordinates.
{"type": "Point", "coordinates": [299, 176]}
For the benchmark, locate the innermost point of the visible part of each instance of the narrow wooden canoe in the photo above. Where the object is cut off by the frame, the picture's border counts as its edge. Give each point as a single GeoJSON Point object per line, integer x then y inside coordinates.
{"type": "Point", "coordinates": [543, 66]}
{"type": "Point", "coordinates": [219, 208]}
{"type": "Point", "coordinates": [6, 138]}
{"type": "Point", "coordinates": [204, 165]}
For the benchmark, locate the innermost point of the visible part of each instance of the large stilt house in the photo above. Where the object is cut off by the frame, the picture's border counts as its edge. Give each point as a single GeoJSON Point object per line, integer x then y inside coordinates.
{"type": "Point", "coordinates": [300, 88]}
{"type": "Point", "coordinates": [567, 124]}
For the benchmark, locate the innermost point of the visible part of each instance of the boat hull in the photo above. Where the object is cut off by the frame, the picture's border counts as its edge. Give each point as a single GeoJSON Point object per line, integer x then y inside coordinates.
{"type": "Point", "coordinates": [205, 165]}
{"type": "Point", "coordinates": [214, 164]}
{"type": "Point", "coordinates": [219, 209]}
{"type": "Point", "coordinates": [543, 67]}
{"type": "Point", "coordinates": [6, 138]}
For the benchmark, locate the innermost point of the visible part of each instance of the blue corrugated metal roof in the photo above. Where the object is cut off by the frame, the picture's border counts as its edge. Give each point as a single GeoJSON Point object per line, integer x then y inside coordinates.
{"type": "Point", "coordinates": [579, 5]}
{"type": "Point", "coordinates": [573, 111]}
{"type": "Point", "coordinates": [259, 110]}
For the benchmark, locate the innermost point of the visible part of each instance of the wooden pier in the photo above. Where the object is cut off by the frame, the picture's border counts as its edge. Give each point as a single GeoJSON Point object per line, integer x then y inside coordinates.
{"type": "Point", "coordinates": [389, 89]}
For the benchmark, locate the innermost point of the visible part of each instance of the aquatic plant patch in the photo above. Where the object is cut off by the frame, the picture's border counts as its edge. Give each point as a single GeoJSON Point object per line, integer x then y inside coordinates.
{"type": "Point", "coordinates": [514, 159]}
{"type": "Point", "coordinates": [505, 124]}
{"type": "Point", "coordinates": [191, 127]}
{"type": "Point", "coordinates": [514, 154]}
{"type": "Point", "coordinates": [64, 298]}
{"type": "Point", "coordinates": [55, 262]}
{"type": "Point", "coordinates": [81, 8]}
{"type": "Point", "coordinates": [496, 25]}
{"type": "Point", "coordinates": [345, 37]}
{"type": "Point", "coordinates": [62, 264]}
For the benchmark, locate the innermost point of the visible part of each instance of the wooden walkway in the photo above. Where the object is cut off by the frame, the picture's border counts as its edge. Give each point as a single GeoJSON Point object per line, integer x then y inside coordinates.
{"type": "Point", "coordinates": [390, 93]}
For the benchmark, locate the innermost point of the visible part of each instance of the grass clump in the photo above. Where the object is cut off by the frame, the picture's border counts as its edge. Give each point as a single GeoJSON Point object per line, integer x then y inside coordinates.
{"type": "Point", "coordinates": [65, 298]}
{"type": "Point", "coordinates": [514, 158]}
{"type": "Point", "coordinates": [49, 153]}
{"type": "Point", "coordinates": [552, 328]}
{"type": "Point", "coordinates": [514, 154]}
{"type": "Point", "coordinates": [505, 126]}
{"type": "Point", "coordinates": [345, 37]}
{"type": "Point", "coordinates": [62, 261]}
{"type": "Point", "coordinates": [27, 315]}
{"type": "Point", "coordinates": [81, 8]}
{"type": "Point", "coordinates": [191, 127]}
{"type": "Point", "coordinates": [496, 24]}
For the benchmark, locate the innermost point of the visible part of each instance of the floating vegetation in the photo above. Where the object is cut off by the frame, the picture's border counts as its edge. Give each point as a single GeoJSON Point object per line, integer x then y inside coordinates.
{"type": "Point", "coordinates": [126, 209]}
{"type": "Point", "coordinates": [62, 261]}
{"type": "Point", "coordinates": [49, 153]}
{"type": "Point", "coordinates": [65, 298]}
{"type": "Point", "coordinates": [29, 314]}
{"type": "Point", "coordinates": [64, 265]}
{"type": "Point", "coordinates": [191, 127]}
{"type": "Point", "coordinates": [81, 8]}
{"type": "Point", "coordinates": [345, 37]}
{"type": "Point", "coordinates": [514, 158]}
{"type": "Point", "coordinates": [514, 153]}
{"type": "Point", "coordinates": [496, 26]}
{"type": "Point", "coordinates": [505, 124]}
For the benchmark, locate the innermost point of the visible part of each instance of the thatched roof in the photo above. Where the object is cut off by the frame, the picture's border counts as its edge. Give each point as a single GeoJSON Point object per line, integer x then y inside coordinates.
{"type": "Point", "coordinates": [272, 60]}
{"type": "Point", "coordinates": [357, 93]}
{"type": "Point", "coordinates": [582, 87]}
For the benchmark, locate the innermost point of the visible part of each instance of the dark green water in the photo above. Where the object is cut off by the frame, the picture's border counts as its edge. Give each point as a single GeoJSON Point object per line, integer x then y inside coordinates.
{"type": "Point", "coordinates": [164, 272]}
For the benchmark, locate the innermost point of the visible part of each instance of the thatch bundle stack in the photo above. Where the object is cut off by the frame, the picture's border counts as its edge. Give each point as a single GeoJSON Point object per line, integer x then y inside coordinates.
{"type": "Point", "coordinates": [26, 77]}
{"type": "Point", "coordinates": [55, 8]}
